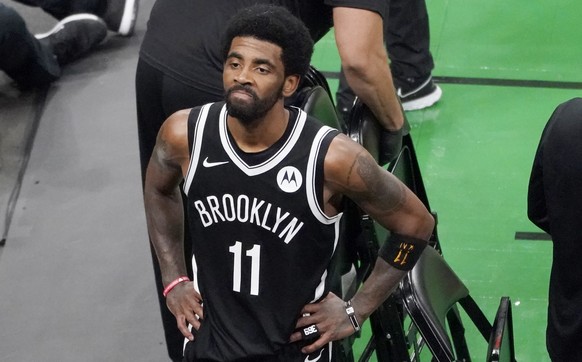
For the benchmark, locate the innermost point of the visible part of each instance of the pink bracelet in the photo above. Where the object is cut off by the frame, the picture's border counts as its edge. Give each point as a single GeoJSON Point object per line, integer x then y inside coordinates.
{"type": "Point", "coordinates": [174, 283]}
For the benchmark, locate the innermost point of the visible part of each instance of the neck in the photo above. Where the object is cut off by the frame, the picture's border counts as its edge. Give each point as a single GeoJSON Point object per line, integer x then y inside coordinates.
{"type": "Point", "coordinates": [262, 133]}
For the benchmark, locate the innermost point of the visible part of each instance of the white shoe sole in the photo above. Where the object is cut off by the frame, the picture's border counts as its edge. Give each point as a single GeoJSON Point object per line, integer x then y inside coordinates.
{"type": "Point", "coordinates": [127, 23]}
{"type": "Point", "coordinates": [61, 24]}
{"type": "Point", "coordinates": [423, 102]}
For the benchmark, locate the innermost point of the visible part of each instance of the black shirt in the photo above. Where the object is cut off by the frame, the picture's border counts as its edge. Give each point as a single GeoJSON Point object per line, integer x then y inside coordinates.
{"type": "Point", "coordinates": [183, 38]}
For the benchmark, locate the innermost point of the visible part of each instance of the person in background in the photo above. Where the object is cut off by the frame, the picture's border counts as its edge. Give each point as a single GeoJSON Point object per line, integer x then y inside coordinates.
{"type": "Point", "coordinates": [264, 186]}
{"type": "Point", "coordinates": [407, 37]}
{"type": "Point", "coordinates": [554, 205]}
{"type": "Point", "coordinates": [37, 60]}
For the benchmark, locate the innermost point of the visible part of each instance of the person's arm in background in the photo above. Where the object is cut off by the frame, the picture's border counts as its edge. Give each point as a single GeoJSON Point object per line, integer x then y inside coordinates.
{"type": "Point", "coordinates": [359, 36]}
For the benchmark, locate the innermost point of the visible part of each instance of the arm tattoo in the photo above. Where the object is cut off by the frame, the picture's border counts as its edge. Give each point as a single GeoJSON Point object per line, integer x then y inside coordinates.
{"type": "Point", "coordinates": [381, 191]}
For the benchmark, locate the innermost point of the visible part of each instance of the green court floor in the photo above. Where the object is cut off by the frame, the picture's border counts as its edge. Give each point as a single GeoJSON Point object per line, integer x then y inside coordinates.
{"type": "Point", "coordinates": [503, 67]}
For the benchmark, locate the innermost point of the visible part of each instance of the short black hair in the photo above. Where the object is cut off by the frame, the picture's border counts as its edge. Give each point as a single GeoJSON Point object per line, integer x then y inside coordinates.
{"type": "Point", "coordinates": [276, 25]}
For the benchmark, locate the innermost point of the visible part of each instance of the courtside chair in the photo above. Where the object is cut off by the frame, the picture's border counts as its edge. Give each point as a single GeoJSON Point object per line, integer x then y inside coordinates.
{"type": "Point", "coordinates": [432, 293]}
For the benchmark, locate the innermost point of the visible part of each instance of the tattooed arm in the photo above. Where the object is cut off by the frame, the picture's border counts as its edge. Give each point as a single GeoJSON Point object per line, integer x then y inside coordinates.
{"type": "Point", "coordinates": [350, 171]}
{"type": "Point", "coordinates": [165, 217]}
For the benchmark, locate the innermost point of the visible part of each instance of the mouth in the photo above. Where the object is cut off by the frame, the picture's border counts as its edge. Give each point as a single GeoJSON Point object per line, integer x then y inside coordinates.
{"type": "Point", "coordinates": [241, 95]}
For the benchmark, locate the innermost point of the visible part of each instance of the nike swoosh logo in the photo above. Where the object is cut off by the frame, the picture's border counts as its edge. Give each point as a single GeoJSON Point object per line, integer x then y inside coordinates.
{"type": "Point", "coordinates": [206, 163]}
{"type": "Point", "coordinates": [307, 359]}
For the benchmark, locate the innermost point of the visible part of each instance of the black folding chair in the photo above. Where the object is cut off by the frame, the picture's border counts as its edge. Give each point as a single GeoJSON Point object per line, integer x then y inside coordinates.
{"type": "Point", "coordinates": [360, 240]}
{"type": "Point", "coordinates": [431, 291]}
{"type": "Point", "coordinates": [431, 294]}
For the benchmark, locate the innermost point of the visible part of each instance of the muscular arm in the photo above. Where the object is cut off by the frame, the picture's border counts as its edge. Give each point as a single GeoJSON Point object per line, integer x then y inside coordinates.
{"type": "Point", "coordinates": [360, 40]}
{"type": "Point", "coordinates": [352, 172]}
{"type": "Point", "coordinates": [165, 216]}
{"type": "Point", "coordinates": [163, 201]}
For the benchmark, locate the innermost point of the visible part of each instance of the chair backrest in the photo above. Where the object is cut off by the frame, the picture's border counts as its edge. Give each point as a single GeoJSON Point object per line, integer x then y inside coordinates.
{"type": "Point", "coordinates": [364, 128]}
{"type": "Point", "coordinates": [314, 96]}
{"type": "Point", "coordinates": [430, 290]}
{"type": "Point", "coordinates": [316, 102]}
{"type": "Point", "coordinates": [432, 293]}
{"type": "Point", "coordinates": [501, 345]}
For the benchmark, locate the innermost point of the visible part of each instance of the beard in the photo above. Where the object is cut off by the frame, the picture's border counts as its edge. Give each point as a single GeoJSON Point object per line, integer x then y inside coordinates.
{"type": "Point", "coordinates": [249, 112]}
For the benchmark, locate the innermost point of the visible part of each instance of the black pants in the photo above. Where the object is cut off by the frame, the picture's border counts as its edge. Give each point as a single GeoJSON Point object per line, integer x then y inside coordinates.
{"type": "Point", "coordinates": [158, 96]}
{"type": "Point", "coordinates": [22, 57]}
{"type": "Point", "coordinates": [407, 37]}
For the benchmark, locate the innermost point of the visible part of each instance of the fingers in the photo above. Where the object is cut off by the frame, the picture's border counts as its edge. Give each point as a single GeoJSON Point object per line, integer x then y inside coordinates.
{"type": "Point", "coordinates": [318, 344]}
{"type": "Point", "coordinates": [184, 328]}
{"type": "Point", "coordinates": [186, 305]}
{"type": "Point", "coordinates": [324, 321]}
{"type": "Point", "coordinates": [309, 332]}
{"type": "Point", "coordinates": [312, 333]}
{"type": "Point", "coordinates": [193, 319]}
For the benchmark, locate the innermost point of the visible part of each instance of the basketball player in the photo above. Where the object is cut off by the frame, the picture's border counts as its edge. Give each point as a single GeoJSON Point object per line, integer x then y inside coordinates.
{"type": "Point", "coordinates": [180, 66]}
{"type": "Point", "coordinates": [264, 185]}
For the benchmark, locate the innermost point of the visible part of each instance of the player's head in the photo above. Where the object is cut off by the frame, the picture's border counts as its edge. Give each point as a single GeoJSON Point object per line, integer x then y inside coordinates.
{"type": "Point", "coordinates": [276, 25]}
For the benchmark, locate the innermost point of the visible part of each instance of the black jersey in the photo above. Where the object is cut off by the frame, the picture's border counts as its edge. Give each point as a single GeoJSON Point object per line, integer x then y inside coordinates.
{"type": "Point", "coordinates": [262, 246]}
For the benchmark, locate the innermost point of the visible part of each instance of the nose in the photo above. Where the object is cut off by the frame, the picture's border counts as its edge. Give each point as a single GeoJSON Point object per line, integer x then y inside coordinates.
{"type": "Point", "coordinates": [243, 76]}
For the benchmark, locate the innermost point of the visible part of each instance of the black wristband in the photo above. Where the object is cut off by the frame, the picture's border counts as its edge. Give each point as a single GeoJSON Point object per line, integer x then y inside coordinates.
{"type": "Point", "coordinates": [402, 251]}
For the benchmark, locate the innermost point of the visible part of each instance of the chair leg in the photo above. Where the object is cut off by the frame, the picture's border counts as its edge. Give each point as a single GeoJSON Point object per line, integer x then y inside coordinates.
{"type": "Point", "coordinates": [388, 332]}
{"type": "Point", "coordinates": [458, 335]}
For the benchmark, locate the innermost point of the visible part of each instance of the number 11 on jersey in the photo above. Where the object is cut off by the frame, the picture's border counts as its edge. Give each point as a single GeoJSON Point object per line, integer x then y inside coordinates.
{"type": "Point", "coordinates": [255, 254]}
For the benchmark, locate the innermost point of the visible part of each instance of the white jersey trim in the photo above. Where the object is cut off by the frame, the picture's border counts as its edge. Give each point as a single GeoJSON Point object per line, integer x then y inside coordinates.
{"type": "Point", "coordinates": [321, 286]}
{"type": "Point", "coordinates": [272, 161]}
{"type": "Point", "coordinates": [196, 146]}
{"type": "Point", "coordinates": [310, 177]}
{"type": "Point", "coordinates": [316, 208]}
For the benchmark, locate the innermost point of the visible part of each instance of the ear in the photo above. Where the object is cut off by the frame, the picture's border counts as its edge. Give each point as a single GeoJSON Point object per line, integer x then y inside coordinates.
{"type": "Point", "coordinates": [290, 85]}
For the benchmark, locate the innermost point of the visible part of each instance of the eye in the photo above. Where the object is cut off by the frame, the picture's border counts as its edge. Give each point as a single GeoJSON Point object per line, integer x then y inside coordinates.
{"type": "Point", "coordinates": [263, 70]}
{"type": "Point", "coordinates": [233, 63]}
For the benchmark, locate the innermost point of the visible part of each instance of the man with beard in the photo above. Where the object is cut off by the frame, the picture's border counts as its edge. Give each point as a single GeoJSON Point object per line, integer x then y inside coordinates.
{"type": "Point", "coordinates": [180, 66]}
{"type": "Point", "coordinates": [265, 185]}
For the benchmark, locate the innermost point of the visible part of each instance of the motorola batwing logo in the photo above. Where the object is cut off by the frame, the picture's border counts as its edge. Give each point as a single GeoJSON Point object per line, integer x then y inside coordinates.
{"type": "Point", "coordinates": [289, 179]}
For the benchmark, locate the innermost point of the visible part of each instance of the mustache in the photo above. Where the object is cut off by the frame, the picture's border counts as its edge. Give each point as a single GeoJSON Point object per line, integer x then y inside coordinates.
{"type": "Point", "coordinates": [240, 87]}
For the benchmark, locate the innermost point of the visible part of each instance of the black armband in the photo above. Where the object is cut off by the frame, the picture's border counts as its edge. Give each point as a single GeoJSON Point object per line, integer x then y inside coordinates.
{"type": "Point", "coordinates": [402, 251]}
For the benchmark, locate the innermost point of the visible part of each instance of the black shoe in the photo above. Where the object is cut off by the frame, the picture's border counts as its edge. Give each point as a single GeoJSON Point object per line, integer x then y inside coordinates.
{"type": "Point", "coordinates": [74, 36]}
{"type": "Point", "coordinates": [120, 16]}
{"type": "Point", "coordinates": [417, 93]}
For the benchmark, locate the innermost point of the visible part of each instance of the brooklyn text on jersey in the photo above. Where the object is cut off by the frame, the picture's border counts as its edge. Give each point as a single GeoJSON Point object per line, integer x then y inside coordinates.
{"type": "Point", "coordinates": [244, 209]}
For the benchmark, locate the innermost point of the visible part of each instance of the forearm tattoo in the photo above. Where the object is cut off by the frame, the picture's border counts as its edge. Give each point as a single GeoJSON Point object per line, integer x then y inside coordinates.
{"type": "Point", "coordinates": [381, 190]}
